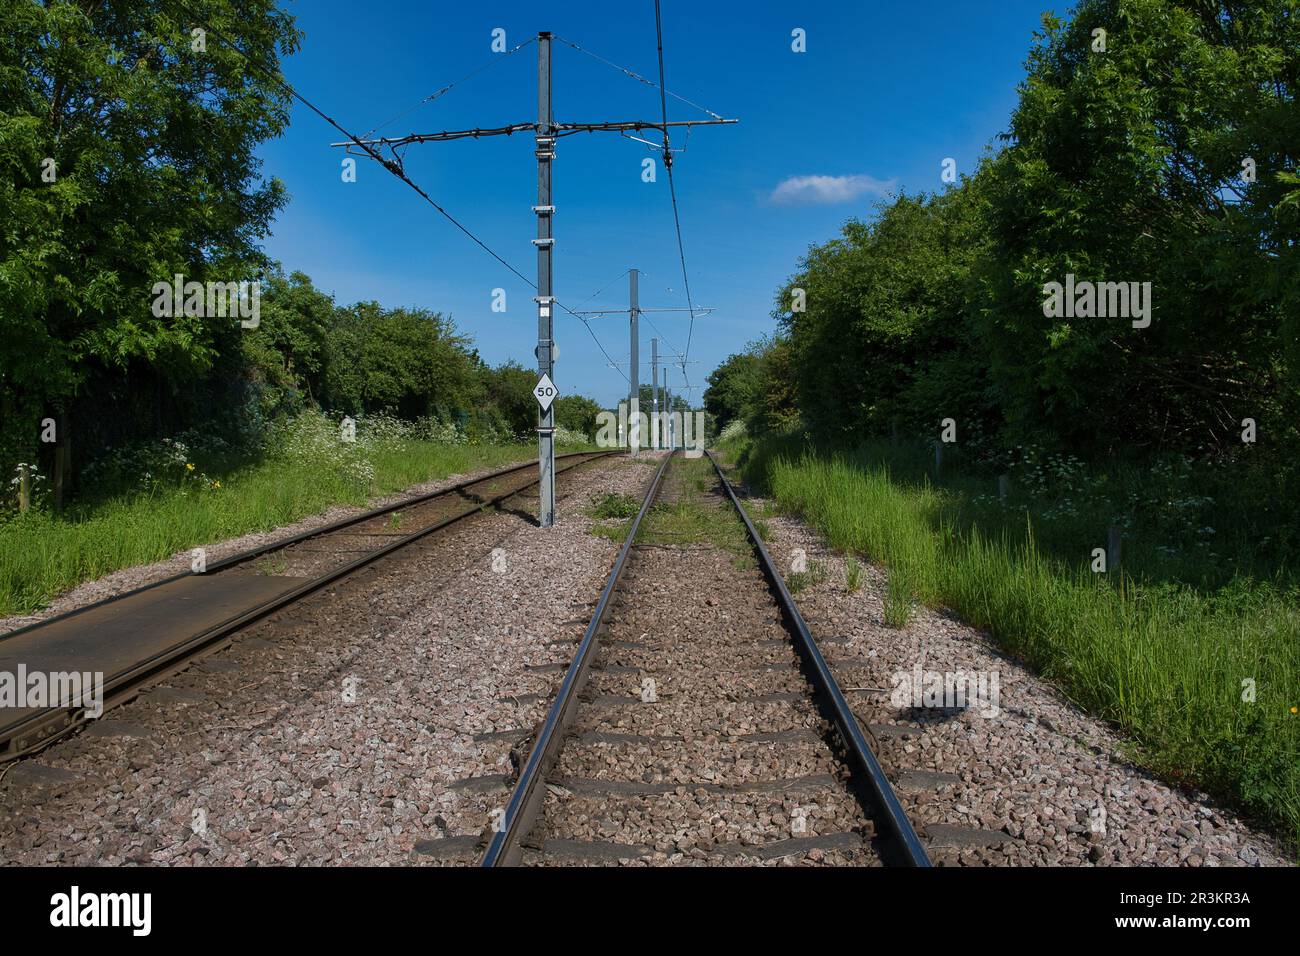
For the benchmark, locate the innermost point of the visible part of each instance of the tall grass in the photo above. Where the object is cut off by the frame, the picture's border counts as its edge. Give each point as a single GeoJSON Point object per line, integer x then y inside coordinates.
{"type": "Point", "coordinates": [1170, 664]}
{"type": "Point", "coordinates": [304, 471]}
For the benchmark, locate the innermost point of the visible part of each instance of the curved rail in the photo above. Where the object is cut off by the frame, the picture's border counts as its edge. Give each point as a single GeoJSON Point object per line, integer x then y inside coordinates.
{"type": "Point", "coordinates": [34, 732]}
{"type": "Point", "coordinates": [246, 556]}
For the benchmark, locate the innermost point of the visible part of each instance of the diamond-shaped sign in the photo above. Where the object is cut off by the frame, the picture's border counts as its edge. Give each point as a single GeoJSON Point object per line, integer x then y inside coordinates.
{"type": "Point", "coordinates": [546, 392]}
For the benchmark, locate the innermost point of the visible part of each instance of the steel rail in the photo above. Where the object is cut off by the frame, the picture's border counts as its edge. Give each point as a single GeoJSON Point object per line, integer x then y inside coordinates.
{"type": "Point", "coordinates": [911, 852]}
{"type": "Point", "coordinates": [126, 684]}
{"type": "Point", "coordinates": [524, 804]}
{"type": "Point", "coordinates": [246, 556]}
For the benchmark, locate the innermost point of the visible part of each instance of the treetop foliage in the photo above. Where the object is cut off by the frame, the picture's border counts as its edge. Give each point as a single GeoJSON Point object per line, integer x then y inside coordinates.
{"type": "Point", "coordinates": [1169, 158]}
{"type": "Point", "coordinates": [127, 156]}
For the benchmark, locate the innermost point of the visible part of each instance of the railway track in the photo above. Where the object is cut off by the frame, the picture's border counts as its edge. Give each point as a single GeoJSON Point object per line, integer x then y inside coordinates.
{"type": "Point", "coordinates": [698, 721]}
{"type": "Point", "coordinates": [142, 636]}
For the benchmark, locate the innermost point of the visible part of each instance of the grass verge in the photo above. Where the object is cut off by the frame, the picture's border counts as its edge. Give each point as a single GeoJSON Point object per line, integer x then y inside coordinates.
{"type": "Point", "coordinates": [1205, 683]}
{"type": "Point", "coordinates": [43, 554]}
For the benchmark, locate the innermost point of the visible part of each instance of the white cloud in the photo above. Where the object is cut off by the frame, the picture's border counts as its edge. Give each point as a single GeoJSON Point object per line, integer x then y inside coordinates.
{"type": "Point", "coordinates": [824, 190]}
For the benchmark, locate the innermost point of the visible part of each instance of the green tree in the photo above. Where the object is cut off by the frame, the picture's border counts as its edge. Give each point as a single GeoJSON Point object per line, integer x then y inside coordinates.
{"type": "Point", "coordinates": [774, 405]}
{"type": "Point", "coordinates": [287, 351]}
{"type": "Point", "coordinates": [882, 340]}
{"type": "Point", "coordinates": [509, 388]}
{"type": "Point", "coordinates": [731, 388]}
{"type": "Point", "coordinates": [756, 386]}
{"type": "Point", "coordinates": [577, 412]}
{"type": "Point", "coordinates": [1127, 165]}
{"type": "Point", "coordinates": [127, 157]}
{"type": "Point", "coordinates": [411, 362]}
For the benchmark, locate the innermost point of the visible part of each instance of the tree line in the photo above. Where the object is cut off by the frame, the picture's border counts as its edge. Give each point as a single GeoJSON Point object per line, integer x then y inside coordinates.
{"type": "Point", "coordinates": [365, 358]}
{"type": "Point", "coordinates": [1154, 141]}
{"type": "Point", "coordinates": [127, 143]}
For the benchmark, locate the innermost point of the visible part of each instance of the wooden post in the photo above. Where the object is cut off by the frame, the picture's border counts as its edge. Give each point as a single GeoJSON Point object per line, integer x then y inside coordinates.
{"type": "Point", "coordinates": [1113, 552]}
{"type": "Point", "coordinates": [58, 472]}
{"type": "Point", "coordinates": [24, 488]}
{"type": "Point", "coordinates": [1004, 488]}
{"type": "Point", "coordinates": [938, 458]}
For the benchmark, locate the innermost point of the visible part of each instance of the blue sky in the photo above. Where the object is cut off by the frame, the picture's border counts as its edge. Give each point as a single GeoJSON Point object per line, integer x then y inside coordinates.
{"type": "Point", "coordinates": [883, 94]}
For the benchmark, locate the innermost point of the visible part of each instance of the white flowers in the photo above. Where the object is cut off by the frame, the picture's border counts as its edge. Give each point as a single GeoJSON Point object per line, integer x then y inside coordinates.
{"type": "Point", "coordinates": [34, 477]}
{"type": "Point", "coordinates": [567, 436]}
{"type": "Point", "coordinates": [735, 429]}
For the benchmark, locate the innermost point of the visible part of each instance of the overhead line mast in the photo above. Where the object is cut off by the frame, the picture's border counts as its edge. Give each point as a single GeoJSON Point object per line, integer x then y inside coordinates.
{"type": "Point", "coordinates": [546, 131]}
{"type": "Point", "coordinates": [635, 314]}
{"type": "Point", "coordinates": [394, 166]}
{"type": "Point", "coordinates": [545, 242]}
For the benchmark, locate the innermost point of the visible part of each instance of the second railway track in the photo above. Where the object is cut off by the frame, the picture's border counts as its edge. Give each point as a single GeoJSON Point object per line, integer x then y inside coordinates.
{"type": "Point", "coordinates": [139, 637]}
{"type": "Point", "coordinates": [697, 722]}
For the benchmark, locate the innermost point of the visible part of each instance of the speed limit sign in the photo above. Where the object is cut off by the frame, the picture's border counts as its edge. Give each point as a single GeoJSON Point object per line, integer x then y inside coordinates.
{"type": "Point", "coordinates": [546, 392]}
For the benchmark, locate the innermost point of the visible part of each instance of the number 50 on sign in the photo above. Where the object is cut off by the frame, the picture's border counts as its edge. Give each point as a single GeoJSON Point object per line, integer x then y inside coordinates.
{"type": "Point", "coordinates": [546, 392]}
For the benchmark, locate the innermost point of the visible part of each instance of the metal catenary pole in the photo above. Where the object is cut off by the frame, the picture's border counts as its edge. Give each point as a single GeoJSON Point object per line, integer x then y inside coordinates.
{"type": "Point", "coordinates": [654, 393]}
{"type": "Point", "coordinates": [547, 132]}
{"type": "Point", "coordinates": [634, 377]}
{"type": "Point", "coordinates": [668, 413]}
{"type": "Point", "coordinates": [634, 380]}
{"type": "Point", "coordinates": [545, 300]}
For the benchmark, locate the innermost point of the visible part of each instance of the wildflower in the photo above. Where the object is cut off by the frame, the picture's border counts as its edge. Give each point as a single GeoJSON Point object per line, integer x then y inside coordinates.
{"type": "Point", "coordinates": [189, 467]}
{"type": "Point", "coordinates": [216, 484]}
{"type": "Point", "coordinates": [1295, 710]}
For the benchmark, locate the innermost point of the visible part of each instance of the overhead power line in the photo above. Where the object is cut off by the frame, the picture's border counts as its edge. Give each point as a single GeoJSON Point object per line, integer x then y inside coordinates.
{"type": "Point", "coordinates": [638, 77]}
{"type": "Point", "coordinates": [672, 190]}
{"type": "Point", "coordinates": [496, 58]}
{"type": "Point", "coordinates": [392, 166]}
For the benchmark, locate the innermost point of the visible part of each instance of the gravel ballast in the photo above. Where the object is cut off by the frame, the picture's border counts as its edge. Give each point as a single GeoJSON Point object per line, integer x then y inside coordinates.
{"type": "Point", "coordinates": [381, 721]}
{"type": "Point", "coordinates": [341, 729]}
{"type": "Point", "coordinates": [697, 740]}
{"type": "Point", "coordinates": [1032, 781]}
